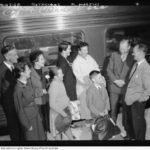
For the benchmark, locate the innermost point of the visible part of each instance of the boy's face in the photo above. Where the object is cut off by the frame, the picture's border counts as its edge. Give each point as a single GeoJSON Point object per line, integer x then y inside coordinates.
{"type": "Point", "coordinates": [97, 79]}
{"type": "Point", "coordinates": [27, 72]}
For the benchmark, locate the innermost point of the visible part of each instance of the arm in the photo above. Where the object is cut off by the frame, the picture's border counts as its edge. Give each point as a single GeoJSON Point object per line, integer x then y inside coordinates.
{"type": "Point", "coordinates": [103, 81]}
{"type": "Point", "coordinates": [90, 105]}
{"type": "Point", "coordinates": [63, 67]}
{"type": "Point", "coordinates": [18, 105]}
{"type": "Point", "coordinates": [110, 69]}
{"type": "Point", "coordinates": [146, 85]}
{"type": "Point", "coordinates": [94, 63]}
{"type": "Point", "coordinates": [0, 86]}
{"type": "Point", "coordinates": [78, 74]}
{"type": "Point", "coordinates": [107, 99]}
{"type": "Point", "coordinates": [53, 91]}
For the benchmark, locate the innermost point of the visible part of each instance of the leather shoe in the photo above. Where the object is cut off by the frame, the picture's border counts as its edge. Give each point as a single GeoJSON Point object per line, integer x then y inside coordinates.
{"type": "Point", "coordinates": [128, 138]}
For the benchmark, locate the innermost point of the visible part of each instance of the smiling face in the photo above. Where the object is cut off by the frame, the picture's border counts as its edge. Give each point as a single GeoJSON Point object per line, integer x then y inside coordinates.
{"type": "Point", "coordinates": [41, 61]}
{"type": "Point", "coordinates": [136, 53]}
{"type": "Point", "coordinates": [83, 51]}
{"type": "Point", "coordinates": [12, 56]}
{"type": "Point", "coordinates": [97, 79]}
{"type": "Point", "coordinates": [68, 50]}
{"type": "Point", "coordinates": [124, 46]}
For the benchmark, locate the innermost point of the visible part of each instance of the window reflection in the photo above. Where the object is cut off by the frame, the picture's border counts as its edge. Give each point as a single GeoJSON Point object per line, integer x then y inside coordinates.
{"type": "Point", "coordinates": [48, 43]}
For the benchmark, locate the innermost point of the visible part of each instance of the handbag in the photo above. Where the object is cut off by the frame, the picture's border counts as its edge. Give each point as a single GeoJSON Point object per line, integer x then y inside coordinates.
{"type": "Point", "coordinates": [105, 128]}
{"type": "Point", "coordinates": [63, 123]}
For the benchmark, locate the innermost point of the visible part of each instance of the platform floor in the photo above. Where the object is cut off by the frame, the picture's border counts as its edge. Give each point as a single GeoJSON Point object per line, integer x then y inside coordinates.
{"type": "Point", "coordinates": [84, 133]}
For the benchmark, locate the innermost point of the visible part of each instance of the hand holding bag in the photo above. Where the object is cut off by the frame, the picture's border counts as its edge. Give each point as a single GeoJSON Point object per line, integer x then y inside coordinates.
{"type": "Point", "coordinates": [105, 128]}
{"type": "Point", "coordinates": [63, 123]}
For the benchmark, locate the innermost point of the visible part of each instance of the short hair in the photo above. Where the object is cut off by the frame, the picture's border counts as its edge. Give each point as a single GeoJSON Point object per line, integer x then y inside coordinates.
{"type": "Point", "coordinates": [142, 47]}
{"type": "Point", "coordinates": [6, 49]}
{"type": "Point", "coordinates": [34, 56]}
{"type": "Point", "coordinates": [20, 67]}
{"type": "Point", "coordinates": [93, 73]}
{"type": "Point", "coordinates": [126, 38]}
{"type": "Point", "coordinates": [82, 44]}
{"type": "Point", "coordinates": [63, 46]}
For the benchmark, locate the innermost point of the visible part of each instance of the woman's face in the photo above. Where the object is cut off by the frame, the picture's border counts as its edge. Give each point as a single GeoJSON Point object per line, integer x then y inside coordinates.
{"type": "Point", "coordinates": [41, 61]}
{"type": "Point", "coordinates": [68, 50]}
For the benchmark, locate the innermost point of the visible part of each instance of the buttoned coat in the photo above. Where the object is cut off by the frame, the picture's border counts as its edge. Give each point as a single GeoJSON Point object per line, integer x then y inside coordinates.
{"type": "Point", "coordinates": [69, 78]}
{"type": "Point", "coordinates": [117, 70]}
{"type": "Point", "coordinates": [97, 100]}
{"type": "Point", "coordinates": [138, 88]}
{"type": "Point", "coordinates": [38, 86]}
{"type": "Point", "coordinates": [7, 85]}
{"type": "Point", "coordinates": [28, 112]}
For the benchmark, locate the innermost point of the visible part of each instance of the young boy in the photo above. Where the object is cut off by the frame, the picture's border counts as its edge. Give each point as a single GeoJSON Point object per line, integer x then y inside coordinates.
{"type": "Point", "coordinates": [97, 96]}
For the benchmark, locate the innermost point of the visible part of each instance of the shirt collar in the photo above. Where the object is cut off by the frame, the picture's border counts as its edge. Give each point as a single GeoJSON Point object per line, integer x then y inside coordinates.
{"type": "Point", "coordinates": [22, 82]}
{"type": "Point", "coordinates": [9, 65]}
{"type": "Point", "coordinates": [141, 61]}
{"type": "Point", "coordinates": [83, 57]}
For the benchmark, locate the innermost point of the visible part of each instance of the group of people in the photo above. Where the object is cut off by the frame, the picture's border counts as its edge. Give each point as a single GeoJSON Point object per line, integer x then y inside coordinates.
{"type": "Point", "coordinates": [129, 82]}
{"type": "Point", "coordinates": [78, 91]}
{"type": "Point", "coordinates": [23, 95]}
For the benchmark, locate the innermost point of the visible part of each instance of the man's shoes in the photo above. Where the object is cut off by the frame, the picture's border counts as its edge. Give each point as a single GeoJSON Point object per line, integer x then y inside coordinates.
{"type": "Point", "coordinates": [128, 138]}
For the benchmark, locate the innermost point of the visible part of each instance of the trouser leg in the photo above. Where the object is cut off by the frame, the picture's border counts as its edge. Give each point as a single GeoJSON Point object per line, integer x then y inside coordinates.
{"type": "Point", "coordinates": [114, 99]}
{"type": "Point", "coordinates": [139, 122]}
{"type": "Point", "coordinates": [127, 120]}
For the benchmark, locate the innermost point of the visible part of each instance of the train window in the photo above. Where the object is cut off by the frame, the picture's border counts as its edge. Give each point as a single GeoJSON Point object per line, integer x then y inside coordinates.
{"type": "Point", "coordinates": [135, 33]}
{"type": "Point", "coordinates": [48, 43]}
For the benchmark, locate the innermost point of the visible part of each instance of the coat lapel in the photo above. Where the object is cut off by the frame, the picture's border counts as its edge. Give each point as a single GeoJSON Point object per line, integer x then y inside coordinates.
{"type": "Point", "coordinates": [35, 74]}
{"type": "Point", "coordinates": [126, 65]}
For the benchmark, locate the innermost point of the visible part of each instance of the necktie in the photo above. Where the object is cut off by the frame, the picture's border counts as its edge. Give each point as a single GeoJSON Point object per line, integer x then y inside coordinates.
{"type": "Point", "coordinates": [133, 71]}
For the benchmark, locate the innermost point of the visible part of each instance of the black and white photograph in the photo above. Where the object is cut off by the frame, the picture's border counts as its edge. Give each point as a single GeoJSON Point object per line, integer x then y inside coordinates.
{"type": "Point", "coordinates": [75, 74]}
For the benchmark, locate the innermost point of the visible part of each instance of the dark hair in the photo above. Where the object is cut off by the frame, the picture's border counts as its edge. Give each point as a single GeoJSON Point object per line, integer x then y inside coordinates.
{"type": "Point", "coordinates": [82, 44]}
{"type": "Point", "coordinates": [34, 55]}
{"type": "Point", "coordinates": [63, 46]}
{"type": "Point", "coordinates": [20, 67]}
{"type": "Point", "coordinates": [142, 47]}
{"type": "Point", "coordinates": [6, 49]}
{"type": "Point", "coordinates": [93, 74]}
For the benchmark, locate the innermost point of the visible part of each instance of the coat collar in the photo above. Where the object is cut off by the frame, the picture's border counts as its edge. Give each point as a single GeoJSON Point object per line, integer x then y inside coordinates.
{"type": "Point", "coordinates": [20, 84]}
{"type": "Point", "coordinates": [34, 73]}
{"type": "Point", "coordinates": [94, 87]}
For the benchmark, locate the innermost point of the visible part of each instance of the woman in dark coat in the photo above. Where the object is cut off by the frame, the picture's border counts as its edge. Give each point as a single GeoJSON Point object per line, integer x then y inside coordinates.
{"type": "Point", "coordinates": [25, 106]}
{"type": "Point", "coordinates": [69, 78]}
